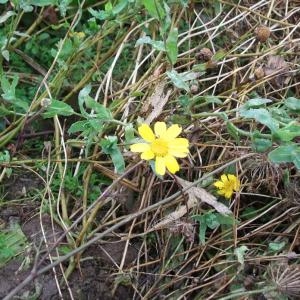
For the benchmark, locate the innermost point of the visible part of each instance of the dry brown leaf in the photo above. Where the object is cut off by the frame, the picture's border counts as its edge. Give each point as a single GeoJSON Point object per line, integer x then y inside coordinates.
{"type": "Point", "coordinates": [201, 194]}
{"type": "Point", "coordinates": [180, 212]}
{"type": "Point", "coordinates": [195, 195]}
{"type": "Point", "coordinates": [157, 104]}
{"type": "Point", "coordinates": [156, 95]}
{"type": "Point", "coordinates": [276, 66]}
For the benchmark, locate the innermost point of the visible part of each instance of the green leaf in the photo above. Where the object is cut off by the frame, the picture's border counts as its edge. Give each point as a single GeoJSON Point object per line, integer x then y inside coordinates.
{"type": "Point", "coordinates": [219, 55]}
{"type": "Point", "coordinates": [59, 108]}
{"type": "Point", "coordinates": [178, 80]}
{"type": "Point", "coordinates": [78, 126]}
{"type": "Point", "coordinates": [102, 112]}
{"type": "Point", "coordinates": [154, 8]}
{"type": "Point", "coordinates": [212, 99]}
{"type": "Point", "coordinates": [8, 88]}
{"type": "Point", "coordinates": [119, 7]}
{"type": "Point", "coordinates": [4, 157]}
{"type": "Point", "coordinates": [110, 147]}
{"type": "Point", "coordinates": [100, 15]}
{"type": "Point", "coordinates": [12, 242]}
{"type": "Point", "coordinates": [288, 133]}
{"type": "Point", "coordinates": [262, 116]}
{"type": "Point", "coordinates": [171, 45]}
{"type": "Point", "coordinates": [275, 247]}
{"type": "Point", "coordinates": [211, 220]}
{"type": "Point", "coordinates": [240, 254]}
{"type": "Point", "coordinates": [129, 133]}
{"type": "Point", "coordinates": [261, 145]}
{"type": "Point", "coordinates": [225, 219]}
{"type": "Point", "coordinates": [83, 94]}
{"type": "Point", "coordinates": [255, 103]}
{"type": "Point", "coordinates": [157, 45]}
{"type": "Point", "coordinates": [293, 104]}
{"type": "Point", "coordinates": [41, 3]}
{"type": "Point", "coordinates": [285, 154]}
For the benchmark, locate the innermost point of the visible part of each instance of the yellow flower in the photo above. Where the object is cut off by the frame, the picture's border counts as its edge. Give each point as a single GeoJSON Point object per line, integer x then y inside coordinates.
{"type": "Point", "coordinates": [227, 185]}
{"type": "Point", "coordinates": [162, 145]}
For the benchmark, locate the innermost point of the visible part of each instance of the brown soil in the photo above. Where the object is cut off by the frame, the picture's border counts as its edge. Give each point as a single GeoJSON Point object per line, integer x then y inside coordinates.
{"type": "Point", "coordinates": [92, 279]}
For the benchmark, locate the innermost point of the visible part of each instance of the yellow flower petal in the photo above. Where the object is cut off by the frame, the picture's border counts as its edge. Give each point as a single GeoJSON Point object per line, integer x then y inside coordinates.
{"type": "Point", "coordinates": [173, 131]}
{"type": "Point", "coordinates": [140, 147]}
{"type": "Point", "coordinates": [179, 143]}
{"type": "Point", "coordinates": [146, 133]}
{"type": "Point", "coordinates": [228, 194]}
{"type": "Point", "coordinates": [160, 165]}
{"type": "Point", "coordinates": [224, 178]}
{"type": "Point", "coordinates": [147, 155]}
{"type": "Point", "coordinates": [235, 182]}
{"type": "Point", "coordinates": [160, 129]}
{"type": "Point", "coordinates": [171, 164]}
{"type": "Point", "coordinates": [219, 184]}
{"type": "Point", "coordinates": [179, 154]}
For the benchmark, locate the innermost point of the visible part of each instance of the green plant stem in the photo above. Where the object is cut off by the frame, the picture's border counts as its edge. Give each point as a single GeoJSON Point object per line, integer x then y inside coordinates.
{"type": "Point", "coordinates": [61, 171]}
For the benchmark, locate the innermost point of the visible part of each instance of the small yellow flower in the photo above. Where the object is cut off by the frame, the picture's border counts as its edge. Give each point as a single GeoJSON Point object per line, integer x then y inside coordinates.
{"type": "Point", "coordinates": [227, 185]}
{"type": "Point", "coordinates": [162, 145]}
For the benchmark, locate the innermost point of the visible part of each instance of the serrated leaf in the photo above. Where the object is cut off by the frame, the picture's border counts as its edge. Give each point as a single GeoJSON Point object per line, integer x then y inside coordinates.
{"type": "Point", "coordinates": [171, 45]}
{"type": "Point", "coordinates": [262, 116]}
{"type": "Point", "coordinates": [178, 80]}
{"type": "Point", "coordinates": [157, 45]}
{"type": "Point", "coordinates": [100, 15]}
{"type": "Point", "coordinates": [59, 108]}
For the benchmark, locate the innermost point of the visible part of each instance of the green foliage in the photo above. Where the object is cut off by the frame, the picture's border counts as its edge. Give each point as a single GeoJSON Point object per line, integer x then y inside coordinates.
{"type": "Point", "coordinates": [283, 125]}
{"type": "Point", "coordinates": [93, 124]}
{"type": "Point", "coordinates": [109, 146]}
{"type": "Point", "coordinates": [211, 220]}
{"type": "Point", "coordinates": [8, 90]}
{"type": "Point", "coordinates": [240, 254]}
{"type": "Point", "coordinates": [179, 80]}
{"type": "Point", "coordinates": [171, 45]}
{"type": "Point", "coordinates": [276, 246]}
{"type": "Point", "coordinates": [154, 8]}
{"type": "Point", "coordinates": [59, 108]}
{"type": "Point", "coordinates": [12, 243]}
{"type": "Point", "coordinates": [109, 11]}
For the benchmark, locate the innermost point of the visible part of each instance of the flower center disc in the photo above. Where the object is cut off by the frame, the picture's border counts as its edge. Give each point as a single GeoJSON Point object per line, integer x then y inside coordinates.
{"type": "Point", "coordinates": [159, 147]}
